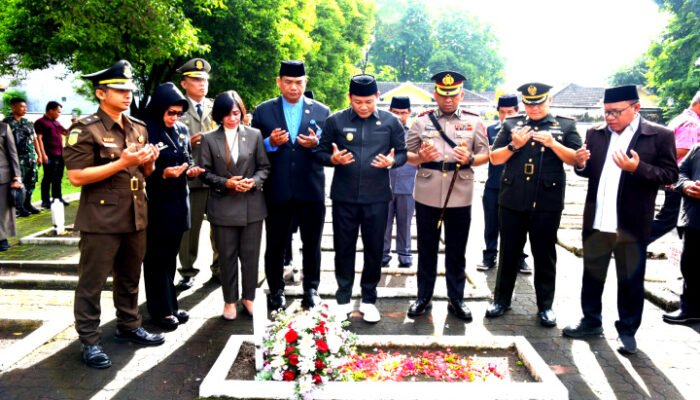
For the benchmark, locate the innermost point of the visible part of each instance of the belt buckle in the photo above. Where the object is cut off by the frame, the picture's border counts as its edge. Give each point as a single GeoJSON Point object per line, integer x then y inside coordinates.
{"type": "Point", "coordinates": [529, 169]}
{"type": "Point", "coordinates": [444, 169]}
{"type": "Point", "coordinates": [134, 182]}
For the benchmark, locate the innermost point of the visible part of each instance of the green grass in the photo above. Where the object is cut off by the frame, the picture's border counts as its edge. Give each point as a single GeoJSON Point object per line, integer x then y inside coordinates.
{"type": "Point", "coordinates": [66, 187]}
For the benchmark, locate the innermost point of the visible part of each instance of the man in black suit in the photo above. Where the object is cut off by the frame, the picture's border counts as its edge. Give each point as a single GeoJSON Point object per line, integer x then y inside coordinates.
{"type": "Point", "coordinates": [625, 160]}
{"type": "Point", "coordinates": [292, 125]}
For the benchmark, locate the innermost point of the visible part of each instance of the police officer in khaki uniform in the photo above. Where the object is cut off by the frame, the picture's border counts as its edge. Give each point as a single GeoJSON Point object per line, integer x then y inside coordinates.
{"type": "Point", "coordinates": [443, 143]}
{"type": "Point", "coordinates": [534, 148]}
{"type": "Point", "coordinates": [195, 82]}
{"type": "Point", "coordinates": [108, 154]}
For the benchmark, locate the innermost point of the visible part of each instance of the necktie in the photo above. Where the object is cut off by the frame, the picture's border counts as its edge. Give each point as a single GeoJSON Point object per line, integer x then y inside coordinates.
{"type": "Point", "coordinates": [199, 110]}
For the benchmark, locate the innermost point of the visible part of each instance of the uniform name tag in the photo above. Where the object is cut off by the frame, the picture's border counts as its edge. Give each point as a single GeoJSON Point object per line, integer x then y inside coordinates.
{"type": "Point", "coordinates": [114, 145]}
{"type": "Point", "coordinates": [349, 130]}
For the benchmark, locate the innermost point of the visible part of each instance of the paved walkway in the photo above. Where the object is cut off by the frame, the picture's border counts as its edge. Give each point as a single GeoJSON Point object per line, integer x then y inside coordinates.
{"type": "Point", "coordinates": [666, 366]}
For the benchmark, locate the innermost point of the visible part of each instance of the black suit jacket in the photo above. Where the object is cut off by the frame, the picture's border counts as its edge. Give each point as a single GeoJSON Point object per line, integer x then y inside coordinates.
{"type": "Point", "coordinates": [636, 197]}
{"type": "Point", "coordinates": [295, 174]}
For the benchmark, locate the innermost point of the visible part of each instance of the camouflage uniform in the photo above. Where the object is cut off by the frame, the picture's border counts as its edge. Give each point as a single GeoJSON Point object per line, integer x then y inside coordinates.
{"type": "Point", "coordinates": [24, 134]}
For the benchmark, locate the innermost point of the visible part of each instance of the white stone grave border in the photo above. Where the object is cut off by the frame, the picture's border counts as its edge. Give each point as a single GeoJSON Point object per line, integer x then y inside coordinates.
{"type": "Point", "coordinates": [17, 351]}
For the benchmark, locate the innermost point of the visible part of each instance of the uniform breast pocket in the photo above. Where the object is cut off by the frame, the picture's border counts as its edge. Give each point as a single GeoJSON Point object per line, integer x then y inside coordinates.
{"type": "Point", "coordinates": [424, 173]}
{"type": "Point", "coordinates": [110, 153]}
{"type": "Point", "coordinates": [381, 132]}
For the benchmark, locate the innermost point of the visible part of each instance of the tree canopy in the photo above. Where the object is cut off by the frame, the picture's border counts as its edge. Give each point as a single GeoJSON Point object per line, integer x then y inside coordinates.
{"type": "Point", "coordinates": [635, 74]}
{"type": "Point", "coordinates": [244, 40]}
{"type": "Point", "coordinates": [673, 72]}
{"type": "Point", "coordinates": [410, 45]}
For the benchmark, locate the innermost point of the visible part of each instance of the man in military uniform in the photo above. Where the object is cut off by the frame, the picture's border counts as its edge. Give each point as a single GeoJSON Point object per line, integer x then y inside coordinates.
{"type": "Point", "coordinates": [362, 143]}
{"type": "Point", "coordinates": [108, 155]}
{"type": "Point", "coordinates": [295, 189]}
{"type": "Point", "coordinates": [27, 151]}
{"type": "Point", "coordinates": [402, 204]}
{"type": "Point", "coordinates": [445, 144]}
{"type": "Point", "coordinates": [534, 148]}
{"type": "Point", "coordinates": [195, 82]}
{"type": "Point", "coordinates": [507, 106]}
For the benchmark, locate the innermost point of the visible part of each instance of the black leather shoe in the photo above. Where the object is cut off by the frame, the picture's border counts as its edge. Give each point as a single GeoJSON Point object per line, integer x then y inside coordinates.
{"type": "Point", "coordinates": [46, 206]}
{"type": "Point", "coordinates": [311, 299]}
{"type": "Point", "coordinates": [496, 310]}
{"type": "Point", "coordinates": [65, 203]}
{"type": "Point", "coordinates": [524, 268]}
{"type": "Point", "coordinates": [627, 345]}
{"type": "Point", "coordinates": [582, 329]}
{"type": "Point", "coordinates": [385, 264]}
{"type": "Point", "coordinates": [31, 209]}
{"type": "Point", "coordinates": [182, 316]}
{"type": "Point", "coordinates": [419, 307]}
{"type": "Point", "coordinates": [277, 300]}
{"type": "Point", "coordinates": [21, 212]}
{"type": "Point", "coordinates": [169, 323]}
{"type": "Point", "coordinates": [459, 310]}
{"type": "Point", "coordinates": [140, 336]}
{"type": "Point", "coordinates": [405, 265]}
{"type": "Point", "coordinates": [186, 283]}
{"type": "Point", "coordinates": [547, 318]}
{"type": "Point", "coordinates": [4, 245]}
{"type": "Point", "coordinates": [680, 317]}
{"type": "Point", "coordinates": [95, 357]}
{"type": "Point", "coordinates": [486, 265]}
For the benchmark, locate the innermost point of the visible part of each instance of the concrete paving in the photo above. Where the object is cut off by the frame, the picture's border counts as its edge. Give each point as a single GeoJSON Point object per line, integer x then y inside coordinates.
{"type": "Point", "coordinates": [666, 366]}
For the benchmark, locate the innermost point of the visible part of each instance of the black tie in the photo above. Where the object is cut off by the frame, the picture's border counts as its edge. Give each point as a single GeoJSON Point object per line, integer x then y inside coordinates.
{"type": "Point", "coordinates": [199, 110]}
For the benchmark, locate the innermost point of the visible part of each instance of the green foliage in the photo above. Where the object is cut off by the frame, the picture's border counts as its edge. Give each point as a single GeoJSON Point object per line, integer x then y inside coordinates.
{"type": "Point", "coordinates": [672, 70]}
{"type": "Point", "coordinates": [634, 74]}
{"type": "Point", "coordinates": [415, 46]}
{"type": "Point", "coordinates": [8, 95]}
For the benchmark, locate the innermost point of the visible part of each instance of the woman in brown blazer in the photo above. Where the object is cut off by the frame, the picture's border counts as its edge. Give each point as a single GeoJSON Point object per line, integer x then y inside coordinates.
{"type": "Point", "coordinates": [236, 165]}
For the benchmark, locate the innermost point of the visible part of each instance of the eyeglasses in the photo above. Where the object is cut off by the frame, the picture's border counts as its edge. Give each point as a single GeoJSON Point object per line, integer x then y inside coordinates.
{"type": "Point", "coordinates": [172, 113]}
{"type": "Point", "coordinates": [616, 113]}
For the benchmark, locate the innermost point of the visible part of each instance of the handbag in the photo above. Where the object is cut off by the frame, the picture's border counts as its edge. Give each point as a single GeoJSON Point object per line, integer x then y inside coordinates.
{"type": "Point", "coordinates": [16, 197]}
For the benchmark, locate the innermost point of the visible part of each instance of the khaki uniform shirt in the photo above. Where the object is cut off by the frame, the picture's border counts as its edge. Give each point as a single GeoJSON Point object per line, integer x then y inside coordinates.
{"type": "Point", "coordinates": [116, 204]}
{"type": "Point", "coordinates": [196, 125]}
{"type": "Point", "coordinates": [432, 185]}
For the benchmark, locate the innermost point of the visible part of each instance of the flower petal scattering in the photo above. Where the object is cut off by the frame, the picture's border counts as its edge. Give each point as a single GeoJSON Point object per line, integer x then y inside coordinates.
{"type": "Point", "coordinates": [306, 347]}
{"type": "Point", "coordinates": [435, 366]}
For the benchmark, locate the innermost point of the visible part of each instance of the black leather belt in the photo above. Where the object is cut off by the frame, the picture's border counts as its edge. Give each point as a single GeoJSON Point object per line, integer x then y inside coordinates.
{"type": "Point", "coordinates": [441, 166]}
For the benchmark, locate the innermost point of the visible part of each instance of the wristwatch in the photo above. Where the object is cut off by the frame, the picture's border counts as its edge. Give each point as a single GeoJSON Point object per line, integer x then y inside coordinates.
{"type": "Point", "coordinates": [470, 161]}
{"type": "Point", "coordinates": [512, 148]}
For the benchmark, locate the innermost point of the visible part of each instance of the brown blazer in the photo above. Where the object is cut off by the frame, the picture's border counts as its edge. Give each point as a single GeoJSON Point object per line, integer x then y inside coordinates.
{"type": "Point", "coordinates": [432, 185]}
{"type": "Point", "coordinates": [228, 207]}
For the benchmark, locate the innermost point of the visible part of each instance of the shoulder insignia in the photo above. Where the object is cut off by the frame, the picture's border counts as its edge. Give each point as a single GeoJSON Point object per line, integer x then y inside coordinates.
{"type": "Point", "coordinates": [515, 116]}
{"type": "Point", "coordinates": [136, 120]}
{"type": "Point", "coordinates": [426, 112]}
{"type": "Point", "coordinates": [467, 112]}
{"type": "Point", "coordinates": [565, 117]}
{"type": "Point", "coordinates": [90, 119]}
{"type": "Point", "coordinates": [72, 137]}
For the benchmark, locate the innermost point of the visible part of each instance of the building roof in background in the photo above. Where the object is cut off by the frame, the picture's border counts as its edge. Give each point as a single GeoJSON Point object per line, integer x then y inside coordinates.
{"type": "Point", "coordinates": [422, 90]}
{"type": "Point", "coordinates": [573, 95]}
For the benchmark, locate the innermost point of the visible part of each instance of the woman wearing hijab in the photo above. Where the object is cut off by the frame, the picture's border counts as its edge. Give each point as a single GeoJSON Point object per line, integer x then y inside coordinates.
{"type": "Point", "coordinates": [235, 166]}
{"type": "Point", "coordinates": [168, 203]}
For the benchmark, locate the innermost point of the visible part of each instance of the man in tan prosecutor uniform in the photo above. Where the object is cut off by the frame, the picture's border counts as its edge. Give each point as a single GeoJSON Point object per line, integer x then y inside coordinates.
{"type": "Point", "coordinates": [195, 82]}
{"type": "Point", "coordinates": [108, 155]}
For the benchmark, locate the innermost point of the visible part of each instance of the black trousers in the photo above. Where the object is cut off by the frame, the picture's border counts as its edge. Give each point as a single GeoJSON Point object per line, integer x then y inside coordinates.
{"type": "Point", "coordinates": [348, 220]}
{"type": "Point", "coordinates": [491, 230]}
{"type": "Point", "coordinates": [541, 228]}
{"type": "Point", "coordinates": [690, 268]}
{"type": "Point", "coordinates": [280, 217]}
{"type": "Point", "coordinates": [51, 183]}
{"type": "Point", "coordinates": [456, 225]}
{"type": "Point", "coordinates": [667, 217]}
{"type": "Point", "coordinates": [630, 264]}
{"type": "Point", "coordinates": [159, 267]}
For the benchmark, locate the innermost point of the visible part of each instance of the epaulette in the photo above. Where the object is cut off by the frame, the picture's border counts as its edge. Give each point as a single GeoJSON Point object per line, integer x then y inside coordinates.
{"type": "Point", "coordinates": [138, 121]}
{"type": "Point", "coordinates": [426, 112]}
{"type": "Point", "coordinates": [469, 113]}
{"type": "Point", "coordinates": [516, 116]}
{"type": "Point", "coordinates": [565, 117]}
{"type": "Point", "coordinates": [90, 119]}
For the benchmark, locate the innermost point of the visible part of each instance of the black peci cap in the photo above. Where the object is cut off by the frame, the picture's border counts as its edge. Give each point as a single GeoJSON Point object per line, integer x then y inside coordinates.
{"type": "Point", "coordinates": [292, 68]}
{"type": "Point", "coordinates": [621, 93]}
{"type": "Point", "coordinates": [363, 85]}
{"type": "Point", "coordinates": [507, 100]}
{"type": "Point", "coordinates": [400, 102]}
{"type": "Point", "coordinates": [118, 76]}
{"type": "Point", "coordinates": [534, 92]}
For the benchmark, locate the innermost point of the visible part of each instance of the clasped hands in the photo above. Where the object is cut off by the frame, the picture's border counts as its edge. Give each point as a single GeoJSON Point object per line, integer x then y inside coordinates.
{"type": "Point", "coordinates": [239, 183]}
{"type": "Point", "coordinates": [132, 157]}
{"type": "Point", "coordinates": [625, 163]}
{"type": "Point", "coordinates": [344, 157]}
{"type": "Point", "coordinates": [175, 172]}
{"type": "Point", "coordinates": [279, 137]}
{"type": "Point", "coordinates": [428, 152]}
